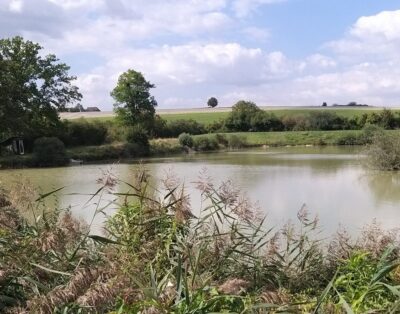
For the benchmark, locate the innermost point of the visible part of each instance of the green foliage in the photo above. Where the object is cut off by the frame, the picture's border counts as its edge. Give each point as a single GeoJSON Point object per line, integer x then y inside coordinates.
{"type": "Point", "coordinates": [241, 115]}
{"type": "Point", "coordinates": [160, 258]}
{"type": "Point", "coordinates": [133, 103]}
{"type": "Point", "coordinates": [212, 102]}
{"type": "Point", "coordinates": [109, 152]}
{"type": "Point", "coordinates": [136, 135]}
{"type": "Point", "coordinates": [324, 120]}
{"type": "Point", "coordinates": [83, 132]}
{"type": "Point", "coordinates": [263, 121]}
{"type": "Point", "coordinates": [32, 88]}
{"type": "Point", "coordinates": [235, 141]}
{"type": "Point", "coordinates": [49, 151]}
{"type": "Point", "coordinates": [185, 139]}
{"type": "Point", "coordinates": [205, 143]}
{"type": "Point", "coordinates": [384, 152]}
{"type": "Point", "coordinates": [364, 283]}
{"type": "Point", "coordinates": [176, 127]}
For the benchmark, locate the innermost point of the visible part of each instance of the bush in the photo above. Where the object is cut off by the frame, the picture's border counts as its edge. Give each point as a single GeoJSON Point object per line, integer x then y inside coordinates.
{"type": "Point", "coordinates": [350, 139]}
{"type": "Point", "coordinates": [205, 143]}
{"type": "Point", "coordinates": [263, 121]}
{"type": "Point", "coordinates": [384, 152]}
{"type": "Point", "coordinates": [185, 139]}
{"type": "Point", "coordinates": [49, 151]}
{"type": "Point", "coordinates": [240, 117]}
{"type": "Point", "coordinates": [325, 121]}
{"type": "Point", "coordinates": [368, 133]}
{"type": "Point", "coordinates": [235, 141]}
{"type": "Point", "coordinates": [222, 139]}
{"type": "Point", "coordinates": [81, 132]}
{"type": "Point", "coordinates": [176, 127]}
{"type": "Point", "coordinates": [138, 136]}
{"type": "Point", "coordinates": [216, 126]}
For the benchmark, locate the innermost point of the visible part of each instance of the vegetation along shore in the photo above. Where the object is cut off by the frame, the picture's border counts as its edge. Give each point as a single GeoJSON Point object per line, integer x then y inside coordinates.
{"type": "Point", "coordinates": [157, 255]}
{"type": "Point", "coordinates": [31, 116]}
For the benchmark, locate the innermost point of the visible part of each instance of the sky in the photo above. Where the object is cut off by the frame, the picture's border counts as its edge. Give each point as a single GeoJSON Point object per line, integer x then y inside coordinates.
{"type": "Point", "coordinates": [272, 52]}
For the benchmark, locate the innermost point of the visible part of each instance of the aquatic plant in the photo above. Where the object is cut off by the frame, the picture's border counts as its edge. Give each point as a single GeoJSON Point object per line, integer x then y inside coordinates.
{"type": "Point", "coordinates": [158, 255]}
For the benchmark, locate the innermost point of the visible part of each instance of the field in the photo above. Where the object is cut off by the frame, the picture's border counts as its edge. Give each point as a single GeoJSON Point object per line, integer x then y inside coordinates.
{"type": "Point", "coordinates": [207, 116]}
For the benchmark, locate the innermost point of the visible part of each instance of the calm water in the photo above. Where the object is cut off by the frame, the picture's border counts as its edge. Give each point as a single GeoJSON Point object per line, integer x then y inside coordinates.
{"type": "Point", "coordinates": [330, 181]}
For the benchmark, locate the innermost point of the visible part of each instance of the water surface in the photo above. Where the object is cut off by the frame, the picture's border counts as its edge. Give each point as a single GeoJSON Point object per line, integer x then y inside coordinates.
{"type": "Point", "coordinates": [330, 181]}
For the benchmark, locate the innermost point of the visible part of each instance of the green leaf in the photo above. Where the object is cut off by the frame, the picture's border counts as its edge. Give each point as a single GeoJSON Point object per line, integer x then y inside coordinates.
{"type": "Point", "coordinates": [103, 240]}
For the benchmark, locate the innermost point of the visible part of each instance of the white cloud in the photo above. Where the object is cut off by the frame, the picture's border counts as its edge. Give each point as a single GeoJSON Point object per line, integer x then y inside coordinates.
{"type": "Point", "coordinates": [15, 5]}
{"type": "Point", "coordinates": [385, 25]}
{"type": "Point", "coordinates": [256, 33]}
{"type": "Point", "coordinates": [243, 8]}
{"type": "Point", "coordinates": [377, 35]}
{"type": "Point", "coordinates": [181, 46]}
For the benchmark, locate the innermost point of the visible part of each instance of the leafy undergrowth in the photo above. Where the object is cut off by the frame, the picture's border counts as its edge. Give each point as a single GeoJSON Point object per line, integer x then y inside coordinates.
{"type": "Point", "coordinates": [157, 256]}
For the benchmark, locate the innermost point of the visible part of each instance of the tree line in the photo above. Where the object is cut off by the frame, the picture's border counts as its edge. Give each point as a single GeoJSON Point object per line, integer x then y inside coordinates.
{"type": "Point", "coordinates": [34, 88]}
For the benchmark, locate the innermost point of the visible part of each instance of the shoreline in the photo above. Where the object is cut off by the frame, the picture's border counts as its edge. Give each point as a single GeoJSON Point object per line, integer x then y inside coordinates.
{"type": "Point", "coordinates": [170, 147]}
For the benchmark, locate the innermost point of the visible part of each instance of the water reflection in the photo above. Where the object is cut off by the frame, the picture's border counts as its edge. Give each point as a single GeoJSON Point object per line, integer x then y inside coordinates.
{"type": "Point", "coordinates": [329, 180]}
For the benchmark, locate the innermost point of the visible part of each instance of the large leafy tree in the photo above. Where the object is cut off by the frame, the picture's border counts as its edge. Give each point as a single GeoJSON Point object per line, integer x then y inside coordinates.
{"type": "Point", "coordinates": [33, 88]}
{"type": "Point", "coordinates": [134, 103]}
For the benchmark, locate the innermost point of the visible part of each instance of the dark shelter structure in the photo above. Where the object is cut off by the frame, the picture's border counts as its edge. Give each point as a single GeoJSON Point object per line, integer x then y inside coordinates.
{"type": "Point", "coordinates": [14, 144]}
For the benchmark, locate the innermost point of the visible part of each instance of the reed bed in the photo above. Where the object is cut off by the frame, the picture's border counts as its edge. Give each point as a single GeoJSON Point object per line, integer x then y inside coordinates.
{"type": "Point", "coordinates": [159, 256]}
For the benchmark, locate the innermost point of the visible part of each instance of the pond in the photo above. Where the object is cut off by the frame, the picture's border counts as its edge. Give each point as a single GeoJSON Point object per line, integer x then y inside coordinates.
{"type": "Point", "coordinates": [330, 181]}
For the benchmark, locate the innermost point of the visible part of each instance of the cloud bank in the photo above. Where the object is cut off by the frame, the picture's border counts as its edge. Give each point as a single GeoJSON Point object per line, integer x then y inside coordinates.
{"type": "Point", "coordinates": [194, 49]}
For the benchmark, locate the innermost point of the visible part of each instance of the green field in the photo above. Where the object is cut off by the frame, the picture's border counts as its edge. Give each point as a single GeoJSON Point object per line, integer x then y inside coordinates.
{"type": "Point", "coordinates": [294, 138]}
{"type": "Point", "coordinates": [210, 117]}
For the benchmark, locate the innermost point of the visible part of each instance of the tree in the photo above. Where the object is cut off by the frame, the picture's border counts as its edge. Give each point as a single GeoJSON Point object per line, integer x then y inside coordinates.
{"type": "Point", "coordinates": [240, 117]}
{"type": "Point", "coordinates": [324, 104]}
{"type": "Point", "coordinates": [212, 102]}
{"type": "Point", "coordinates": [33, 88]}
{"type": "Point", "coordinates": [134, 104]}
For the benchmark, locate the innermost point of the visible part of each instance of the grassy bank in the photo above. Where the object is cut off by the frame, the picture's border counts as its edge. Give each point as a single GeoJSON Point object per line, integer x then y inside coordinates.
{"type": "Point", "coordinates": [108, 152]}
{"type": "Point", "coordinates": [160, 147]}
{"type": "Point", "coordinates": [157, 257]}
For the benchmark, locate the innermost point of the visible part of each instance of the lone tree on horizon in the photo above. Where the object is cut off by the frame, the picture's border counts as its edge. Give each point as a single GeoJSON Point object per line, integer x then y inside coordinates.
{"type": "Point", "coordinates": [212, 102]}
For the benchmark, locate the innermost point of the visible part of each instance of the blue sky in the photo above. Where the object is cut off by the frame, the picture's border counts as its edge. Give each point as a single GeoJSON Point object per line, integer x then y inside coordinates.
{"type": "Point", "coordinates": [274, 52]}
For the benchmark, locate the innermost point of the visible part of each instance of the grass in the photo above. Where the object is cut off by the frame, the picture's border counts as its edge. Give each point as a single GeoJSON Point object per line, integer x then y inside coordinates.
{"type": "Point", "coordinates": [299, 137]}
{"type": "Point", "coordinates": [210, 117]}
{"type": "Point", "coordinates": [159, 147]}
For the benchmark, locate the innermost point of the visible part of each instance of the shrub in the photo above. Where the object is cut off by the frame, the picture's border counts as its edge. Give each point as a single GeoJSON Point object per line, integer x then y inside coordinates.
{"type": "Point", "coordinates": [384, 152]}
{"type": "Point", "coordinates": [324, 120]}
{"type": "Point", "coordinates": [49, 151]}
{"type": "Point", "coordinates": [176, 127]}
{"type": "Point", "coordinates": [185, 139]}
{"type": "Point", "coordinates": [263, 121]}
{"type": "Point", "coordinates": [205, 143]}
{"type": "Point", "coordinates": [350, 139]}
{"type": "Point", "coordinates": [138, 136]}
{"type": "Point", "coordinates": [216, 126]}
{"type": "Point", "coordinates": [165, 146]}
{"type": "Point", "coordinates": [235, 141]}
{"type": "Point", "coordinates": [368, 133]}
{"type": "Point", "coordinates": [222, 139]}
{"type": "Point", "coordinates": [239, 118]}
{"type": "Point", "coordinates": [81, 132]}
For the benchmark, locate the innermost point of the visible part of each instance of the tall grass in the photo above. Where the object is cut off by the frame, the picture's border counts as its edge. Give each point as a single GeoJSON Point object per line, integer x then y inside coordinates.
{"type": "Point", "coordinates": [159, 256]}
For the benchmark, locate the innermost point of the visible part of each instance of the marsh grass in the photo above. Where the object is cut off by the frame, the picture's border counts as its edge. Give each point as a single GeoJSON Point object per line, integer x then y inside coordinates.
{"type": "Point", "coordinates": [158, 256]}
